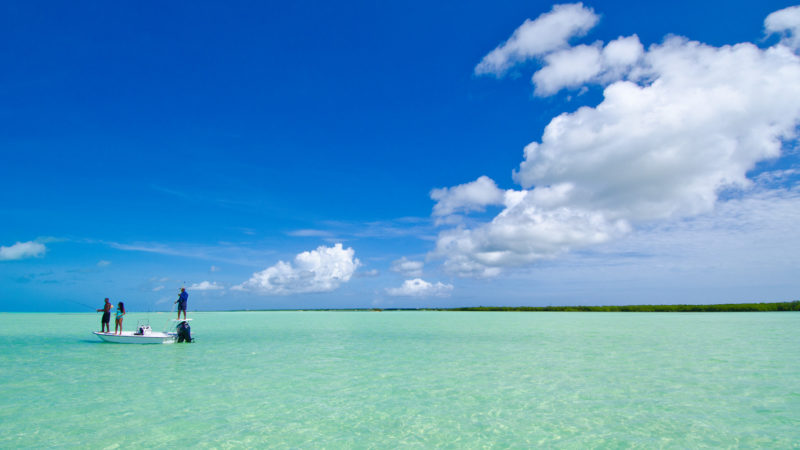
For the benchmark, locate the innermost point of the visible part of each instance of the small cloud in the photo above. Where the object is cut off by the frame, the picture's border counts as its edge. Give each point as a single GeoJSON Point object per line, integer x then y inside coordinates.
{"type": "Point", "coordinates": [22, 250]}
{"type": "Point", "coordinates": [472, 196]}
{"type": "Point", "coordinates": [214, 269]}
{"type": "Point", "coordinates": [421, 288]}
{"type": "Point", "coordinates": [158, 288]}
{"type": "Point", "coordinates": [103, 263]}
{"type": "Point", "coordinates": [407, 267]}
{"type": "Point", "coordinates": [205, 286]}
{"type": "Point", "coordinates": [320, 270]}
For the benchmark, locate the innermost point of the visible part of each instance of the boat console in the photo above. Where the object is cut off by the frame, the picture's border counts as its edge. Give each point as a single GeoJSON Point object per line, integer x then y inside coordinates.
{"type": "Point", "coordinates": [143, 328]}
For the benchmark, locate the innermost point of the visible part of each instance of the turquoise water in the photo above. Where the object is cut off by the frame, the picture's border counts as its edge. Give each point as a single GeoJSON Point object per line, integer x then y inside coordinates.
{"type": "Point", "coordinates": [406, 379]}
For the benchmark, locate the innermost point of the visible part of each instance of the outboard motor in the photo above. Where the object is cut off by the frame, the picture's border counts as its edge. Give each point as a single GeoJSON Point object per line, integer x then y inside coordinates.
{"type": "Point", "coordinates": [184, 332]}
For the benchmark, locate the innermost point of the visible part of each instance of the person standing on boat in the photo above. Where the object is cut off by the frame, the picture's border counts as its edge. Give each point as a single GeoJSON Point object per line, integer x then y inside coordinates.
{"type": "Point", "coordinates": [118, 321]}
{"type": "Point", "coordinates": [104, 326]}
{"type": "Point", "coordinates": [183, 297]}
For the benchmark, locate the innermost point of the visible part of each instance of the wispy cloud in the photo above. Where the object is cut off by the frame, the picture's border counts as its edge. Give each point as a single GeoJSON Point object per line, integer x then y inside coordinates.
{"type": "Point", "coordinates": [239, 254]}
{"type": "Point", "coordinates": [310, 233]}
{"type": "Point", "coordinates": [333, 231]}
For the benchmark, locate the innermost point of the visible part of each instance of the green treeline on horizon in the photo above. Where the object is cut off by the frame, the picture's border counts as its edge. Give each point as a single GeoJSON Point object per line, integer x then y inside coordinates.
{"type": "Point", "coordinates": [728, 307]}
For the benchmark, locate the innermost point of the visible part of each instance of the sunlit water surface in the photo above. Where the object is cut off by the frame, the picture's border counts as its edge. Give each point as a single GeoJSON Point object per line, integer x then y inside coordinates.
{"type": "Point", "coordinates": [406, 379]}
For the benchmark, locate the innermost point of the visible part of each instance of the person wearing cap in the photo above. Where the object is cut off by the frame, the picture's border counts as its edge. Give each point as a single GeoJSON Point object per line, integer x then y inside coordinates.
{"type": "Point", "coordinates": [183, 297]}
{"type": "Point", "coordinates": [104, 326]}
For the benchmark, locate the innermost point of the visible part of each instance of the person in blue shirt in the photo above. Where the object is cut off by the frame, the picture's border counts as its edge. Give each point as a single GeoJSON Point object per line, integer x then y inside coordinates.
{"type": "Point", "coordinates": [183, 297]}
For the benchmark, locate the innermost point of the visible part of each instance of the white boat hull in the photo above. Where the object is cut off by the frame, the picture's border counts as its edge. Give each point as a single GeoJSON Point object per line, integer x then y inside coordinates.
{"type": "Point", "coordinates": [127, 337]}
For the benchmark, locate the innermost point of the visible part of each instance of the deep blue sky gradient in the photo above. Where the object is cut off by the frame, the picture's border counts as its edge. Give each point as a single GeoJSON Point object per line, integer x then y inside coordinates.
{"type": "Point", "coordinates": [227, 125]}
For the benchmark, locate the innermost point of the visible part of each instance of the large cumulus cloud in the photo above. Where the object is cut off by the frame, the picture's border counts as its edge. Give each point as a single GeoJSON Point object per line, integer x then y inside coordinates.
{"type": "Point", "coordinates": [678, 124]}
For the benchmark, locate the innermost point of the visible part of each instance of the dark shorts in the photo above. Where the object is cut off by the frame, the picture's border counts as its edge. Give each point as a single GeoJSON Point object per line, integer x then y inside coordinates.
{"type": "Point", "coordinates": [181, 306]}
{"type": "Point", "coordinates": [106, 317]}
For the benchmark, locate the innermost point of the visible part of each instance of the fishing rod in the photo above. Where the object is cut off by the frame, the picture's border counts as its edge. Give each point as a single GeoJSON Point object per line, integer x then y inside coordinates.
{"type": "Point", "coordinates": [82, 304]}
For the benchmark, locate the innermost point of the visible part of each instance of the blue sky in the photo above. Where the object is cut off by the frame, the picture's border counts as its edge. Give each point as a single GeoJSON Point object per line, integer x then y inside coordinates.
{"type": "Point", "coordinates": [373, 154]}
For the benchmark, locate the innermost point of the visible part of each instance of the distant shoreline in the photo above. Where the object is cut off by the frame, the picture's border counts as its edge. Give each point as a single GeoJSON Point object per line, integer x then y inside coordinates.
{"type": "Point", "coordinates": [724, 307]}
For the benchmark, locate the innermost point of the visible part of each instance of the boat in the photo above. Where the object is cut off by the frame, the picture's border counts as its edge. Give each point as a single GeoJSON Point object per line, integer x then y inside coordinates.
{"type": "Point", "coordinates": [145, 335]}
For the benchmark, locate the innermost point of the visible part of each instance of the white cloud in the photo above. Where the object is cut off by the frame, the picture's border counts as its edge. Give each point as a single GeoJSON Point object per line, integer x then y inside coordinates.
{"type": "Point", "coordinates": [522, 234]}
{"type": "Point", "coordinates": [214, 269]}
{"type": "Point", "coordinates": [371, 273]}
{"type": "Point", "coordinates": [421, 288]}
{"type": "Point", "coordinates": [408, 267]}
{"type": "Point", "coordinates": [158, 288]}
{"type": "Point", "coordinates": [699, 119]}
{"type": "Point", "coordinates": [568, 68]}
{"type": "Point", "coordinates": [320, 270]}
{"type": "Point", "coordinates": [678, 124]}
{"type": "Point", "coordinates": [22, 250]}
{"type": "Point", "coordinates": [550, 31]}
{"type": "Point", "coordinates": [578, 65]}
{"type": "Point", "coordinates": [623, 52]}
{"type": "Point", "coordinates": [310, 233]}
{"type": "Point", "coordinates": [785, 22]}
{"type": "Point", "coordinates": [205, 286]}
{"type": "Point", "coordinates": [472, 196]}
{"type": "Point", "coordinates": [744, 249]}
{"type": "Point", "coordinates": [103, 263]}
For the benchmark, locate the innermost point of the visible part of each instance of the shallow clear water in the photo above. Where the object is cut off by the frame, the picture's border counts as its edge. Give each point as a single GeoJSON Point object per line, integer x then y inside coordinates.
{"type": "Point", "coordinates": [409, 379]}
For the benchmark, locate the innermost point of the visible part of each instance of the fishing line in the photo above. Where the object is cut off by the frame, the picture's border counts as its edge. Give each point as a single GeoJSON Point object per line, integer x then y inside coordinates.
{"type": "Point", "coordinates": [82, 304]}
